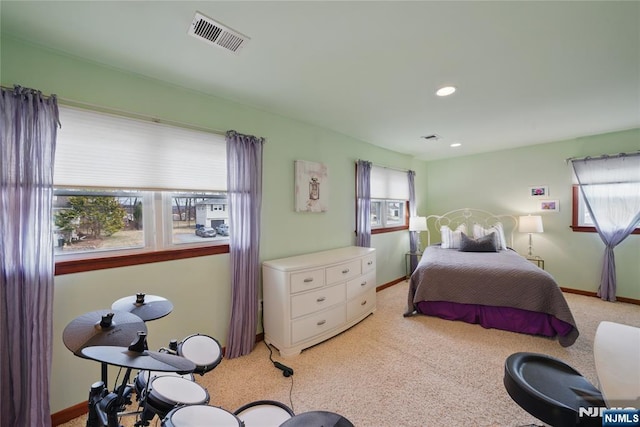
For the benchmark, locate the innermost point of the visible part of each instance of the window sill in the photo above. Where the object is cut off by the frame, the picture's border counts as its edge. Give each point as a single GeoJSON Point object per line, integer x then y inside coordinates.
{"type": "Point", "coordinates": [101, 263]}
{"type": "Point", "coordinates": [389, 229]}
{"type": "Point", "coordinates": [583, 229]}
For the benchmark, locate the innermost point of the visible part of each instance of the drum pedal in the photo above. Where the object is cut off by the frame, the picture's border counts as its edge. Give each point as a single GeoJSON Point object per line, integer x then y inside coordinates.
{"type": "Point", "coordinates": [286, 371]}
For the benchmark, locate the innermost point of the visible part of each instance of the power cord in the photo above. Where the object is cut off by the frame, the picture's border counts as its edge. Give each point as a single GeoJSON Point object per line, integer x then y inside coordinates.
{"type": "Point", "coordinates": [286, 372]}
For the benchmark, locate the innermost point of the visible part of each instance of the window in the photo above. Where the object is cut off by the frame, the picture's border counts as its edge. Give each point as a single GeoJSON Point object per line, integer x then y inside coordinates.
{"type": "Point", "coordinates": [199, 216]}
{"type": "Point", "coordinates": [125, 186]}
{"type": "Point", "coordinates": [581, 216]}
{"type": "Point", "coordinates": [388, 213]}
{"type": "Point", "coordinates": [389, 199]}
{"type": "Point", "coordinates": [376, 213]}
{"type": "Point", "coordinates": [581, 219]}
{"type": "Point", "coordinates": [87, 221]}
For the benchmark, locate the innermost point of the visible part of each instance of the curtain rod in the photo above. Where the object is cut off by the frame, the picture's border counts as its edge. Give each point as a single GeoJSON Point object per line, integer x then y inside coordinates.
{"type": "Point", "coordinates": [603, 156]}
{"type": "Point", "coordinates": [387, 167]}
{"type": "Point", "coordinates": [100, 109]}
{"type": "Point", "coordinates": [28, 88]}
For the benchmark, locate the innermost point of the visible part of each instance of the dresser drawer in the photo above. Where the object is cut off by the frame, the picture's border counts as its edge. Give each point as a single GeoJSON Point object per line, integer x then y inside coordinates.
{"type": "Point", "coordinates": [369, 263]}
{"type": "Point", "coordinates": [305, 280]}
{"type": "Point", "coordinates": [361, 284]}
{"type": "Point", "coordinates": [361, 304]}
{"type": "Point", "coordinates": [343, 272]}
{"type": "Point", "coordinates": [308, 327]}
{"type": "Point", "coordinates": [320, 299]}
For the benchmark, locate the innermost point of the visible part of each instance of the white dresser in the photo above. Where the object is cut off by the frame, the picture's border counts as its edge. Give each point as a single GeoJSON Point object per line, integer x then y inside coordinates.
{"type": "Point", "coordinates": [310, 298]}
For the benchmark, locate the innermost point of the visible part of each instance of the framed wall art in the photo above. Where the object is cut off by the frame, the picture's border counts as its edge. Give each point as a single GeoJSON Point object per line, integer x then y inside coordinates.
{"type": "Point", "coordinates": [311, 186]}
{"type": "Point", "coordinates": [548, 205]}
{"type": "Point", "coordinates": [539, 191]}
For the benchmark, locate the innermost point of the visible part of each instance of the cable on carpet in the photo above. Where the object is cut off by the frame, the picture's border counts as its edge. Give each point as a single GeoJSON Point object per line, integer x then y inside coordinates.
{"type": "Point", "coordinates": [290, 376]}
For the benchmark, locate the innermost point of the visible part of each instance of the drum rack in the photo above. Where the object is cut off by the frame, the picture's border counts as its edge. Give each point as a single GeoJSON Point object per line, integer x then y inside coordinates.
{"type": "Point", "coordinates": [118, 337]}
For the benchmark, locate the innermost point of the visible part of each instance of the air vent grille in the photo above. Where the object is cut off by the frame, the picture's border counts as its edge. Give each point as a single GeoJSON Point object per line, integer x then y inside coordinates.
{"type": "Point", "coordinates": [217, 34]}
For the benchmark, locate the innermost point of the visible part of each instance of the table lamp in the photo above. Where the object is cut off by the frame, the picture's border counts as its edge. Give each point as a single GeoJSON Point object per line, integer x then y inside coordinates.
{"type": "Point", "coordinates": [418, 224]}
{"type": "Point", "coordinates": [530, 224]}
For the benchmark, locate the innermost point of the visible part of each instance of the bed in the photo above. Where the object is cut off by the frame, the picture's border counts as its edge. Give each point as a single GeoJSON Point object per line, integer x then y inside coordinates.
{"type": "Point", "coordinates": [474, 276]}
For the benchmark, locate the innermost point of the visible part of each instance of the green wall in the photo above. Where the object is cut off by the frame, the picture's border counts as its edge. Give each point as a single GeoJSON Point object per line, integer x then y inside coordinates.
{"type": "Point", "coordinates": [499, 183]}
{"type": "Point", "coordinates": [200, 287]}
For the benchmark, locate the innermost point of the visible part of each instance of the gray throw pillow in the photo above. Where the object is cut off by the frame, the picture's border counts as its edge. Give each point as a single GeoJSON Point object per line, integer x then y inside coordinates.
{"type": "Point", "coordinates": [481, 244]}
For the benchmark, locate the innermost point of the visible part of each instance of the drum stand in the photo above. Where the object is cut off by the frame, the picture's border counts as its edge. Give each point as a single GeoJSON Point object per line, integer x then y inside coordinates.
{"type": "Point", "coordinates": [105, 408]}
{"type": "Point", "coordinates": [94, 334]}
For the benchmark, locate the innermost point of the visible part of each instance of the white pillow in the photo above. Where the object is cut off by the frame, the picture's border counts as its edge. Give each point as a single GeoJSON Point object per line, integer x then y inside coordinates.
{"type": "Point", "coordinates": [501, 241]}
{"type": "Point", "coordinates": [451, 239]}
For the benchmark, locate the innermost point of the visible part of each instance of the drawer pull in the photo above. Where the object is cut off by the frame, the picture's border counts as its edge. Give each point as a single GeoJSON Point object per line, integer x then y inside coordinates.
{"type": "Point", "coordinates": [363, 302]}
{"type": "Point", "coordinates": [370, 262]}
{"type": "Point", "coordinates": [321, 299]}
{"type": "Point", "coordinates": [363, 283]}
{"type": "Point", "coordinates": [308, 280]}
{"type": "Point", "coordinates": [345, 271]}
{"type": "Point", "coordinates": [322, 322]}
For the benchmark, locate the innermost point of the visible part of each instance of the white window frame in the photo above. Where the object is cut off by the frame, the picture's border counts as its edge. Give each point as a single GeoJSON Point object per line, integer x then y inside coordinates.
{"type": "Point", "coordinates": [584, 218]}
{"type": "Point", "coordinates": [383, 221]}
{"type": "Point", "coordinates": [157, 227]}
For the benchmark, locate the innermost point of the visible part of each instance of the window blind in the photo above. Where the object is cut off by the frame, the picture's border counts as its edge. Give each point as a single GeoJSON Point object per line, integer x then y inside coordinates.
{"type": "Point", "coordinates": [108, 151]}
{"type": "Point", "coordinates": [389, 184]}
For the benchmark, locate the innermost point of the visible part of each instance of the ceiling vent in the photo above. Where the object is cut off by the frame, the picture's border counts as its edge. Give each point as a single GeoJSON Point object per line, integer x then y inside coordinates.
{"type": "Point", "coordinates": [432, 137]}
{"type": "Point", "coordinates": [212, 32]}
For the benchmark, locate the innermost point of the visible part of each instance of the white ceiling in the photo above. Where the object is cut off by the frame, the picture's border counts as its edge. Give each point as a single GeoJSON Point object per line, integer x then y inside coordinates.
{"type": "Point", "coordinates": [526, 72]}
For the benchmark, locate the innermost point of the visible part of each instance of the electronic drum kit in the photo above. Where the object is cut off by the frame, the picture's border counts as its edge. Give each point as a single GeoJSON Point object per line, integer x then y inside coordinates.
{"type": "Point", "coordinates": [165, 379]}
{"type": "Point", "coordinates": [164, 385]}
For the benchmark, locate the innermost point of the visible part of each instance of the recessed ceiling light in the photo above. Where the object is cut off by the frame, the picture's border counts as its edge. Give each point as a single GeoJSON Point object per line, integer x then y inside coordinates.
{"type": "Point", "coordinates": [455, 144]}
{"type": "Point", "coordinates": [445, 91]}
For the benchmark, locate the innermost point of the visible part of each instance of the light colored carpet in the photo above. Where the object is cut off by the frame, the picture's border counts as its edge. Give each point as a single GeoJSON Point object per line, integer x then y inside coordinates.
{"type": "Point", "coordinates": [394, 371]}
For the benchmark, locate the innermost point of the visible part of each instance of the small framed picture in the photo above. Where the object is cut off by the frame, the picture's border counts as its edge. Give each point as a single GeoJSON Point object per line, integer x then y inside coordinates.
{"type": "Point", "coordinates": [550, 205]}
{"type": "Point", "coordinates": [539, 191]}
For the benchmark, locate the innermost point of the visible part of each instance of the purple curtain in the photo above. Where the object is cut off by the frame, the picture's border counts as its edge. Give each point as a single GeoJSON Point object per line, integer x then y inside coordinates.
{"type": "Point", "coordinates": [27, 147]}
{"type": "Point", "coordinates": [363, 203]}
{"type": "Point", "coordinates": [610, 187]}
{"type": "Point", "coordinates": [244, 184]}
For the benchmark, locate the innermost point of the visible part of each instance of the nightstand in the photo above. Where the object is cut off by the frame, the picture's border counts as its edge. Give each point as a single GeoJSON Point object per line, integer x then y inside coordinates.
{"type": "Point", "coordinates": [409, 258]}
{"type": "Point", "coordinates": [536, 260]}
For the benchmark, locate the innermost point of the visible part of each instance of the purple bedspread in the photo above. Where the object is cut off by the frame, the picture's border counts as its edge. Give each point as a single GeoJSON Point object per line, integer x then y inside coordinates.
{"type": "Point", "coordinates": [499, 290]}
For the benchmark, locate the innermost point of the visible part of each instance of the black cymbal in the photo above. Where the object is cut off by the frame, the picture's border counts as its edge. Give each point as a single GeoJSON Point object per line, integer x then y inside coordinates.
{"type": "Point", "coordinates": [102, 327]}
{"type": "Point", "coordinates": [146, 307]}
{"type": "Point", "coordinates": [145, 360]}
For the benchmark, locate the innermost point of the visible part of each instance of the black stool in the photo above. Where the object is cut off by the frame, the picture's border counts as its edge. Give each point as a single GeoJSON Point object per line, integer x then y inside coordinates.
{"type": "Point", "coordinates": [551, 390]}
{"type": "Point", "coordinates": [317, 419]}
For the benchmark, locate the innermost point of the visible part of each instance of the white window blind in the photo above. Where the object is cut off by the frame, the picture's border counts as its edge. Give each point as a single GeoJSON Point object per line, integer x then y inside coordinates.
{"type": "Point", "coordinates": [103, 150]}
{"type": "Point", "coordinates": [389, 184]}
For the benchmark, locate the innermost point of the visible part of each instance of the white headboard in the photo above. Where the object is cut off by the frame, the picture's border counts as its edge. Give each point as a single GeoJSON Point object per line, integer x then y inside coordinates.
{"type": "Point", "coordinates": [470, 216]}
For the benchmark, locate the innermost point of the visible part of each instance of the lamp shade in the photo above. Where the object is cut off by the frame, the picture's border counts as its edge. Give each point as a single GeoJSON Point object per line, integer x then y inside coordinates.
{"type": "Point", "coordinates": [530, 224]}
{"type": "Point", "coordinates": [417, 223]}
